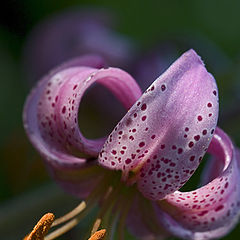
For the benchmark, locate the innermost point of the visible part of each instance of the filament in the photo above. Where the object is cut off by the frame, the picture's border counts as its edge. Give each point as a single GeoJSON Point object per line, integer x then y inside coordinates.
{"type": "Point", "coordinates": [70, 215]}
{"type": "Point", "coordinates": [62, 230]}
{"type": "Point", "coordinates": [96, 225]}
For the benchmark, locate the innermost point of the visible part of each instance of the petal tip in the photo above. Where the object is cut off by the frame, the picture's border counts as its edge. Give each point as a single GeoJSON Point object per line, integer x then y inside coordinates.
{"type": "Point", "coordinates": [192, 55]}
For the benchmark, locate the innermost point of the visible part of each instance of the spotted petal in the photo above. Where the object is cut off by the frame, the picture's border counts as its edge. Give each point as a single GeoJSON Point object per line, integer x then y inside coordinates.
{"type": "Point", "coordinates": [164, 135]}
{"type": "Point", "coordinates": [51, 110]}
{"type": "Point", "coordinates": [50, 117]}
{"type": "Point", "coordinates": [212, 210]}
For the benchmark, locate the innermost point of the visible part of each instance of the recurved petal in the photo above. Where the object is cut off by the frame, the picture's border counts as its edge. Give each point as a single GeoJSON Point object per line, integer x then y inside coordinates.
{"type": "Point", "coordinates": [213, 210]}
{"type": "Point", "coordinates": [52, 152]}
{"type": "Point", "coordinates": [121, 84]}
{"type": "Point", "coordinates": [167, 131]}
{"type": "Point", "coordinates": [51, 110]}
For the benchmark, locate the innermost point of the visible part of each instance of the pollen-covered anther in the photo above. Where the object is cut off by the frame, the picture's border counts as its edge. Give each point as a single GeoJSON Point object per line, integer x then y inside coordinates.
{"type": "Point", "coordinates": [41, 228]}
{"type": "Point", "coordinates": [99, 235]}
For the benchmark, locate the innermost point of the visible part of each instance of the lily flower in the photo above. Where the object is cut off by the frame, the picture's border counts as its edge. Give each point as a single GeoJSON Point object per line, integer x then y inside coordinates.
{"type": "Point", "coordinates": [135, 174]}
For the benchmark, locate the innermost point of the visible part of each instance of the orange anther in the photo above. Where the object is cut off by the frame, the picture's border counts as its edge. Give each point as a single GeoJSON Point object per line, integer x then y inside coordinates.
{"type": "Point", "coordinates": [99, 235]}
{"type": "Point", "coordinates": [41, 228]}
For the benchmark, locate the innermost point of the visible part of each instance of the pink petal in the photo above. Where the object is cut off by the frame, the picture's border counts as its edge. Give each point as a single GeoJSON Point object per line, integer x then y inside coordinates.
{"type": "Point", "coordinates": [214, 209]}
{"type": "Point", "coordinates": [50, 114]}
{"type": "Point", "coordinates": [30, 114]}
{"type": "Point", "coordinates": [119, 83]}
{"type": "Point", "coordinates": [47, 124]}
{"type": "Point", "coordinates": [167, 131]}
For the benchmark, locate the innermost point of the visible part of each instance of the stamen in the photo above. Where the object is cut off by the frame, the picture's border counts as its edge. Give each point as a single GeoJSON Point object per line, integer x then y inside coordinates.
{"type": "Point", "coordinates": [99, 235]}
{"type": "Point", "coordinates": [62, 230]}
{"type": "Point", "coordinates": [91, 201]}
{"type": "Point", "coordinates": [108, 193]}
{"type": "Point", "coordinates": [110, 201]}
{"type": "Point", "coordinates": [96, 225]}
{"type": "Point", "coordinates": [41, 228]}
{"type": "Point", "coordinates": [72, 223]}
{"type": "Point", "coordinates": [70, 215]}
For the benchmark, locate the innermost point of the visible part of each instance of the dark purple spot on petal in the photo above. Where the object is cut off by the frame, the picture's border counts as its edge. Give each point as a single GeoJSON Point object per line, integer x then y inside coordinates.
{"type": "Point", "coordinates": [64, 110]}
{"type": "Point", "coordinates": [203, 213]}
{"type": "Point", "coordinates": [128, 161]}
{"type": "Point", "coordinates": [196, 138]}
{"type": "Point", "coordinates": [162, 146]}
{"type": "Point", "coordinates": [163, 87]}
{"type": "Point", "coordinates": [192, 158]}
{"type": "Point", "coordinates": [204, 132]}
{"type": "Point", "coordinates": [144, 107]}
{"type": "Point", "coordinates": [191, 144]}
{"type": "Point", "coordinates": [219, 208]}
{"type": "Point", "coordinates": [131, 138]}
{"type": "Point", "coordinates": [209, 105]}
{"type": "Point", "coordinates": [180, 150]}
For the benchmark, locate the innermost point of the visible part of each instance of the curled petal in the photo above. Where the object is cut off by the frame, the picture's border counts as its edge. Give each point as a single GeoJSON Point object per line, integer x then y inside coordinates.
{"type": "Point", "coordinates": [31, 118]}
{"type": "Point", "coordinates": [212, 210]}
{"type": "Point", "coordinates": [117, 81]}
{"type": "Point", "coordinates": [164, 135]}
{"type": "Point", "coordinates": [50, 119]}
{"type": "Point", "coordinates": [50, 114]}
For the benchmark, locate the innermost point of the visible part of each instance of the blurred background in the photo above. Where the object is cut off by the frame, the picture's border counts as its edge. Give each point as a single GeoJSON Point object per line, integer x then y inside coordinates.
{"type": "Point", "coordinates": [143, 38]}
